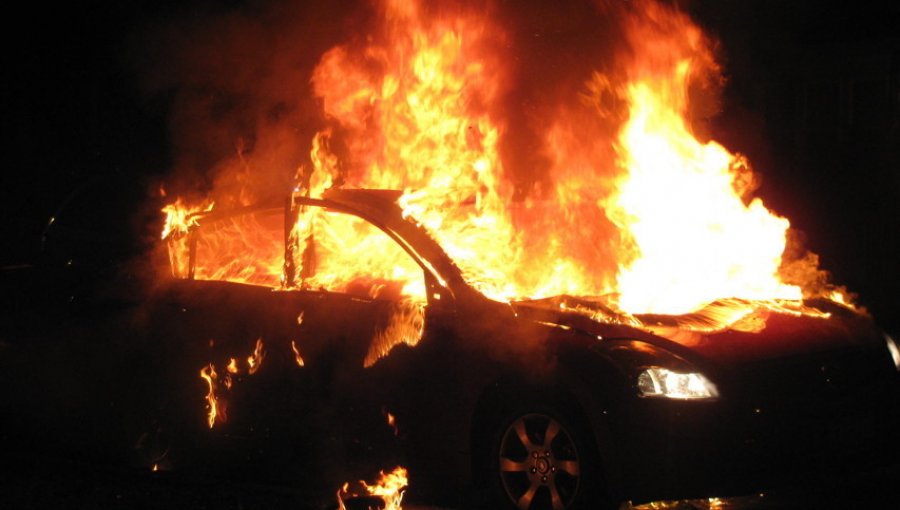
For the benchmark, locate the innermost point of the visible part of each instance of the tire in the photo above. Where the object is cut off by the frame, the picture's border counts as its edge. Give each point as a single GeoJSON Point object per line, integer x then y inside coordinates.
{"type": "Point", "coordinates": [540, 456]}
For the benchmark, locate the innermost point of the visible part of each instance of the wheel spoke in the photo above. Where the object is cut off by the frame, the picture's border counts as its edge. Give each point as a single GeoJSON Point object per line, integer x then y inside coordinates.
{"type": "Point", "coordinates": [569, 466]}
{"type": "Point", "coordinates": [550, 434]}
{"type": "Point", "coordinates": [524, 502]}
{"type": "Point", "coordinates": [555, 499]}
{"type": "Point", "coordinates": [510, 466]}
{"type": "Point", "coordinates": [523, 435]}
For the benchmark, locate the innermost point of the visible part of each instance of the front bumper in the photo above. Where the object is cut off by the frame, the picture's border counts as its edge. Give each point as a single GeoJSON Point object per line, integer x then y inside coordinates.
{"type": "Point", "coordinates": [680, 450]}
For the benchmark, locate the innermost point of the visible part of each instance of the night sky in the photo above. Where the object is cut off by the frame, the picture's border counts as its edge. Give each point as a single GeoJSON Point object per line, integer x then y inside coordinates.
{"type": "Point", "coordinates": [812, 97]}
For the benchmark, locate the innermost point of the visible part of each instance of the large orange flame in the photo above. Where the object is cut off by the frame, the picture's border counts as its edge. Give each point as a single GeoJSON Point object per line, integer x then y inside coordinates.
{"type": "Point", "coordinates": [638, 207]}
{"type": "Point", "coordinates": [422, 123]}
{"type": "Point", "coordinates": [697, 235]}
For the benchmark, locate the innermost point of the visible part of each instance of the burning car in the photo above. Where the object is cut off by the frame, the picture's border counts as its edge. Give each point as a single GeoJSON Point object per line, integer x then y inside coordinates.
{"type": "Point", "coordinates": [559, 402]}
{"type": "Point", "coordinates": [569, 304]}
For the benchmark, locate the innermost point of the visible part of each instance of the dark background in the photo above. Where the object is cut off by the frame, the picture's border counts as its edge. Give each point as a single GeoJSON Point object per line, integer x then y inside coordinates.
{"type": "Point", "coordinates": [812, 97]}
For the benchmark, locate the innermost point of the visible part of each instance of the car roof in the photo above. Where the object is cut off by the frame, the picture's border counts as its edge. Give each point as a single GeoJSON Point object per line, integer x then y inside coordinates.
{"type": "Point", "coordinates": [380, 207]}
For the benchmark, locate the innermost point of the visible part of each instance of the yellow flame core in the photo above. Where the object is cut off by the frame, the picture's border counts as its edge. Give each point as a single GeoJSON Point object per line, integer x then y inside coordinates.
{"type": "Point", "coordinates": [695, 238]}
{"type": "Point", "coordinates": [390, 487]}
{"type": "Point", "coordinates": [344, 253]}
{"type": "Point", "coordinates": [208, 374]}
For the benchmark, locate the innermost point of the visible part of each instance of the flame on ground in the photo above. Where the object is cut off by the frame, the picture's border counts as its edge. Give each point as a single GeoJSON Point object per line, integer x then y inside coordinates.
{"type": "Point", "coordinates": [390, 487]}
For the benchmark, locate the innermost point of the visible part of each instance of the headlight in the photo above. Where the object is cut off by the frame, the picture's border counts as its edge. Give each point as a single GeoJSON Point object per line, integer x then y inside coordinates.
{"type": "Point", "coordinates": [893, 349]}
{"type": "Point", "coordinates": [662, 382]}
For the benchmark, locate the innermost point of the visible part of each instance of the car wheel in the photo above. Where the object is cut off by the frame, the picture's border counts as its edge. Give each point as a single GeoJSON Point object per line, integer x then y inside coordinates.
{"type": "Point", "coordinates": [542, 459]}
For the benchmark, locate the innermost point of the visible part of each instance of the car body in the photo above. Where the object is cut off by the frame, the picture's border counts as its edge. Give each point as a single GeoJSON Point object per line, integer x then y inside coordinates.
{"type": "Point", "coordinates": [551, 403]}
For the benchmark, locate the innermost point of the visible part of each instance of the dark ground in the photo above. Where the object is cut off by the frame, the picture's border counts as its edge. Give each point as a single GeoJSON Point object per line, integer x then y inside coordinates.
{"type": "Point", "coordinates": [42, 481]}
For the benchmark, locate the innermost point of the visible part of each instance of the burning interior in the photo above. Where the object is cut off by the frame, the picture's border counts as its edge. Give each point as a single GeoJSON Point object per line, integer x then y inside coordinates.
{"type": "Point", "coordinates": [636, 206]}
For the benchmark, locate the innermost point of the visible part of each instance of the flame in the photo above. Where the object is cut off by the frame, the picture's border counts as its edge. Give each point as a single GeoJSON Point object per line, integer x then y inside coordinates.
{"type": "Point", "coordinates": [706, 504]}
{"type": "Point", "coordinates": [696, 234]}
{"type": "Point", "coordinates": [406, 323]}
{"type": "Point", "coordinates": [215, 403]}
{"type": "Point", "coordinates": [246, 248]}
{"type": "Point", "coordinates": [391, 422]}
{"type": "Point", "coordinates": [181, 217]}
{"type": "Point", "coordinates": [297, 357]}
{"type": "Point", "coordinates": [639, 206]}
{"type": "Point", "coordinates": [389, 487]}
{"type": "Point", "coordinates": [340, 252]}
{"type": "Point", "coordinates": [208, 374]}
{"type": "Point", "coordinates": [254, 361]}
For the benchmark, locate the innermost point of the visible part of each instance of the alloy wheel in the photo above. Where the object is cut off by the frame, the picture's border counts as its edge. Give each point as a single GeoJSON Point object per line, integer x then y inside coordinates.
{"type": "Point", "coordinates": [539, 463]}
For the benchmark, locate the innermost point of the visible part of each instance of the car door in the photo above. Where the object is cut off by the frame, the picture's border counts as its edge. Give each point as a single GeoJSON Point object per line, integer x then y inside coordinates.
{"type": "Point", "coordinates": [356, 296]}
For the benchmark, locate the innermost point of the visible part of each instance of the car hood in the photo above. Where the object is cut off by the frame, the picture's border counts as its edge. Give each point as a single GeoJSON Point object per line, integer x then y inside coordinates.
{"type": "Point", "coordinates": [754, 331]}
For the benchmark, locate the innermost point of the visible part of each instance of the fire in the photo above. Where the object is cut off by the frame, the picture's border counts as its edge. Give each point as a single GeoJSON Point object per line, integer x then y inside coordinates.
{"type": "Point", "coordinates": [697, 235]}
{"type": "Point", "coordinates": [297, 357]}
{"type": "Point", "coordinates": [391, 422]}
{"type": "Point", "coordinates": [216, 405]}
{"type": "Point", "coordinates": [406, 324]}
{"type": "Point", "coordinates": [254, 361]}
{"type": "Point", "coordinates": [208, 374]}
{"type": "Point", "coordinates": [246, 248]}
{"type": "Point", "coordinates": [637, 206]}
{"type": "Point", "coordinates": [431, 132]}
{"type": "Point", "coordinates": [180, 217]}
{"type": "Point", "coordinates": [340, 252]}
{"type": "Point", "coordinates": [389, 487]}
